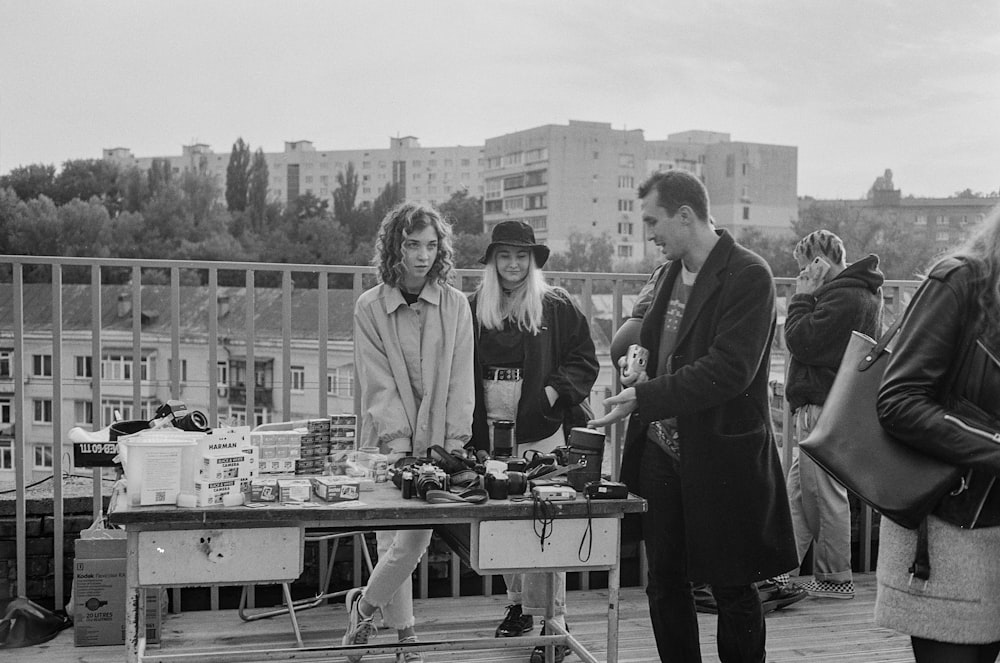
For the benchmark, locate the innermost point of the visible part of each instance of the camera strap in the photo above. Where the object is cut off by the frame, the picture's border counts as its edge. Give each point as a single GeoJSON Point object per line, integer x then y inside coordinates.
{"type": "Point", "coordinates": [470, 496]}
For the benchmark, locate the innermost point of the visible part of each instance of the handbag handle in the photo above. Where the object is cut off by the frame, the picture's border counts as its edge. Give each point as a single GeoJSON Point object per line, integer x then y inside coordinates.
{"type": "Point", "coordinates": [880, 348]}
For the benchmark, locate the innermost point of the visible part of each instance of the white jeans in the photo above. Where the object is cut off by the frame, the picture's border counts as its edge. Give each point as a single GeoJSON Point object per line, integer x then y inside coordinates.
{"type": "Point", "coordinates": [390, 587]}
{"type": "Point", "coordinates": [529, 590]}
{"type": "Point", "coordinates": [821, 514]}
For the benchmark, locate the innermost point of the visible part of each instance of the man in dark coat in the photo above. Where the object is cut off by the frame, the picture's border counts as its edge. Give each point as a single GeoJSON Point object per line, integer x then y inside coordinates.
{"type": "Point", "coordinates": [700, 446]}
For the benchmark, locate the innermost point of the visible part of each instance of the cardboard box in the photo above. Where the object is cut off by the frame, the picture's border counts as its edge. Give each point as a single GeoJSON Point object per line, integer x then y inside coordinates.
{"type": "Point", "coordinates": [99, 591]}
{"type": "Point", "coordinates": [336, 488]}
{"type": "Point", "coordinates": [295, 490]}
{"type": "Point", "coordinates": [264, 490]}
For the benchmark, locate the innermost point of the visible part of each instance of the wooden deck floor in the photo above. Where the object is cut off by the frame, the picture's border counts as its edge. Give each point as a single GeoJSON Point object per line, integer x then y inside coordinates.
{"type": "Point", "coordinates": [824, 630]}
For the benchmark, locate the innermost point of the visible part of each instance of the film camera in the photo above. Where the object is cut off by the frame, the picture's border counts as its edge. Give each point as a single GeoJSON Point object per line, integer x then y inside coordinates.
{"type": "Point", "coordinates": [417, 479]}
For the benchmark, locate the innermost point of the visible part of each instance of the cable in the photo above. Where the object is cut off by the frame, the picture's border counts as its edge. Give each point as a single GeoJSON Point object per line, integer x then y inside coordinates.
{"type": "Point", "coordinates": [588, 536]}
{"type": "Point", "coordinates": [541, 514]}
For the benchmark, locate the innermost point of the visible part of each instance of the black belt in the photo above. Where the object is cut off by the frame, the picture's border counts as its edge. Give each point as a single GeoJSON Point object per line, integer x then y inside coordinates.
{"type": "Point", "coordinates": [503, 373]}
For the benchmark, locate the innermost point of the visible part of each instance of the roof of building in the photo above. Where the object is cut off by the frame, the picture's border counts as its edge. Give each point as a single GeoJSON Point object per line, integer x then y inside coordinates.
{"type": "Point", "coordinates": [194, 304]}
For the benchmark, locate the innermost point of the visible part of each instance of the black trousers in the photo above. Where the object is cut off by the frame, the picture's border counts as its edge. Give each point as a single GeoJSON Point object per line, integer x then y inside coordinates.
{"type": "Point", "coordinates": [741, 632]}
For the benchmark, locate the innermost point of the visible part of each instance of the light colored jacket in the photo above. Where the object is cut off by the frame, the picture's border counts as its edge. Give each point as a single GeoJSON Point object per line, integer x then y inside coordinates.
{"type": "Point", "coordinates": [391, 340]}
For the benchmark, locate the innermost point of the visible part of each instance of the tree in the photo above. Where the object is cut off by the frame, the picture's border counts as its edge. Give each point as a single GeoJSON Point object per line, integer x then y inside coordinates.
{"type": "Point", "coordinates": [469, 249]}
{"type": "Point", "coordinates": [160, 174]}
{"type": "Point", "coordinates": [85, 179]}
{"type": "Point", "coordinates": [345, 194]}
{"type": "Point", "coordinates": [84, 229]}
{"type": "Point", "coordinates": [776, 250]}
{"type": "Point", "coordinates": [464, 212]}
{"type": "Point", "coordinates": [134, 187]}
{"type": "Point", "coordinates": [257, 199]}
{"type": "Point", "coordinates": [29, 182]}
{"type": "Point", "coordinates": [585, 253]}
{"type": "Point", "coordinates": [389, 197]}
{"type": "Point", "coordinates": [238, 177]}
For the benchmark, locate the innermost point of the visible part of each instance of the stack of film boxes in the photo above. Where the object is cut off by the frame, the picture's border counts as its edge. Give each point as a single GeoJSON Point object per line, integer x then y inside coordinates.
{"type": "Point", "coordinates": [311, 453]}
{"type": "Point", "coordinates": [229, 465]}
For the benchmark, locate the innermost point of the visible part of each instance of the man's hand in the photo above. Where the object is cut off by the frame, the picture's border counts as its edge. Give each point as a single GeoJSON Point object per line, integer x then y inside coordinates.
{"type": "Point", "coordinates": [629, 379]}
{"type": "Point", "coordinates": [621, 406]}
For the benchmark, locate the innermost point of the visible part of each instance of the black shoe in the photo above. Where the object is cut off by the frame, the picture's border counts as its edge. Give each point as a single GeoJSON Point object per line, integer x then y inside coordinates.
{"type": "Point", "coordinates": [538, 653]}
{"type": "Point", "coordinates": [514, 622]}
{"type": "Point", "coordinates": [780, 596]}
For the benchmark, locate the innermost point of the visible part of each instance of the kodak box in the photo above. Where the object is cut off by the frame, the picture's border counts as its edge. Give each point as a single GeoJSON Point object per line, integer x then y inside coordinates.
{"type": "Point", "coordinates": [335, 488]}
{"type": "Point", "coordinates": [99, 592]}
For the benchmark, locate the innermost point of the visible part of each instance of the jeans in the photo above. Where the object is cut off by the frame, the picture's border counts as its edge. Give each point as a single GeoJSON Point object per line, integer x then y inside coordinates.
{"type": "Point", "coordinates": [390, 587]}
{"type": "Point", "coordinates": [741, 633]}
{"type": "Point", "coordinates": [821, 513]}
{"type": "Point", "coordinates": [525, 589]}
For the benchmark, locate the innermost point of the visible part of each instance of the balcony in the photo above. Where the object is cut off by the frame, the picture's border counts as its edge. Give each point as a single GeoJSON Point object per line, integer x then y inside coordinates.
{"type": "Point", "coordinates": [227, 315]}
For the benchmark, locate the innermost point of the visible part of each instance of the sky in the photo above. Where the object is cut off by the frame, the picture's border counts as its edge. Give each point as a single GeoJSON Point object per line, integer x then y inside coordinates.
{"type": "Point", "coordinates": [858, 86]}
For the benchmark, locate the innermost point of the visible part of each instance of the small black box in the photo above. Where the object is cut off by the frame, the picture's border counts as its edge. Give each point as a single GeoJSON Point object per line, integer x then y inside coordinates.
{"type": "Point", "coordinates": [605, 490]}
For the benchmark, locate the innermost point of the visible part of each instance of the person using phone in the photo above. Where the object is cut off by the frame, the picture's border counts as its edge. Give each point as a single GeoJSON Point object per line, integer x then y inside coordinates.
{"type": "Point", "coordinates": [831, 300]}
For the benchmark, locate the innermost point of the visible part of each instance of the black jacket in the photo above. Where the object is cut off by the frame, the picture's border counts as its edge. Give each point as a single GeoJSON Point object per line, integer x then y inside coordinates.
{"type": "Point", "coordinates": [819, 325]}
{"type": "Point", "coordinates": [945, 370]}
{"type": "Point", "coordinates": [561, 355]}
{"type": "Point", "coordinates": [738, 528]}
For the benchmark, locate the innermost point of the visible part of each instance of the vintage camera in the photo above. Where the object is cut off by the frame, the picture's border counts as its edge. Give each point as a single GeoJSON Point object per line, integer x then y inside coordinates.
{"type": "Point", "coordinates": [635, 360]}
{"type": "Point", "coordinates": [428, 477]}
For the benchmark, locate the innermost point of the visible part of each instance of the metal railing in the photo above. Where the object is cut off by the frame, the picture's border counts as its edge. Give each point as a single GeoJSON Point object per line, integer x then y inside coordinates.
{"type": "Point", "coordinates": [192, 322]}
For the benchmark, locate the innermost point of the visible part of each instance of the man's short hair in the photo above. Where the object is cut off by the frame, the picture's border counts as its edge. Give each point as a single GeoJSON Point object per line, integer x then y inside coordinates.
{"type": "Point", "coordinates": [821, 243]}
{"type": "Point", "coordinates": [401, 221]}
{"type": "Point", "coordinates": [676, 188]}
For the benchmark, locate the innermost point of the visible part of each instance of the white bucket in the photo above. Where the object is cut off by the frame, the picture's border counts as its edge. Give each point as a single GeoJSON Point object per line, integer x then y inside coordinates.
{"type": "Point", "coordinates": [158, 465]}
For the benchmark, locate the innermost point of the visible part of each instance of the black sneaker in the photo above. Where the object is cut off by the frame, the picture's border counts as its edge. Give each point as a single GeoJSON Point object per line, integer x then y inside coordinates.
{"type": "Point", "coordinates": [774, 596]}
{"type": "Point", "coordinates": [514, 623]}
{"type": "Point", "coordinates": [538, 653]}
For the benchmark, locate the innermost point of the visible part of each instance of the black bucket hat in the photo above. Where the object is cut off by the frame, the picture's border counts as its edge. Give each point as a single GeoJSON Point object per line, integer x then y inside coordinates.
{"type": "Point", "coordinates": [516, 233]}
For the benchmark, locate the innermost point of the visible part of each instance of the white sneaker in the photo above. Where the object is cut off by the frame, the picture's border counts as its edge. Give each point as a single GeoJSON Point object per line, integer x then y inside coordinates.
{"type": "Point", "coordinates": [410, 656]}
{"type": "Point", "coordinates": [359, 628]}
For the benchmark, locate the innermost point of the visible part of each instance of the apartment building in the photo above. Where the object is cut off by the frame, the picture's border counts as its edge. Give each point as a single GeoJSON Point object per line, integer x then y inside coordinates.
{"type": "Point", "coordinates": [428, 174]}
{"type": "Point", "coordinates": [937, 223]}
{"type": "Point", "coordinates": [582, 178]}
{"type": "Point", "coordinates": [72, 365]}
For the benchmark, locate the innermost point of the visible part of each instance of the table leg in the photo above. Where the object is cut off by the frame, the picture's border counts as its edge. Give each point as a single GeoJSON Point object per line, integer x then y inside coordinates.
{"type": "Point", "coordinates": [133, 605]}
{"type": "Point", "coordinates": [614, 583]}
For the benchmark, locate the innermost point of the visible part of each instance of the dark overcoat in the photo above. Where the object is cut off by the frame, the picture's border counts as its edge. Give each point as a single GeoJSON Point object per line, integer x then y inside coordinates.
{"type": "Point", "coordinates": [738, 528]}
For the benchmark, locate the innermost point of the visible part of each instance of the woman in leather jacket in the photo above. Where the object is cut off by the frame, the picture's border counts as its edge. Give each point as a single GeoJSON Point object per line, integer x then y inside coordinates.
{"type": "Point", "coordinates": [941, 395]}
{"type": "Point", "coordinates": [535, 363]}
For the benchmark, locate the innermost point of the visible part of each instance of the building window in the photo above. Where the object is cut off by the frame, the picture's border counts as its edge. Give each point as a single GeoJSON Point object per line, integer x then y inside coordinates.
{"type": "Point", "coordinates": [625, 228]}
{"type": "Point", "coordinates": [941, 220]}
{"type": "Point", "coordinates": [298, 379]}
{"type": "Point", "coordinates": [183, 372]}
{"type": "Point", "coordinates": [744, 169]}
{"type": "Point", "coordinates": [115, 366]}
{"type": "Point", "coordinates": [340, 381]}
{"type": "Point", "coordinates": [432, 163]}
{"type": "Point", "coordinates": [516, 203]}
{"type": "Point", "coordinates": [536, 178]}
{"type": "Point", "coordinates": [6, 411]}
{"type": "Point", "coordinates": [43, 456]}
{"type": "Point", "coordinates": [6, 362]}
{"type": "Point", "coordinates": [513, 159]}
{"type": "Point", "coordinates": [625, 205]}
{"type": "Point", "coordinates": [84, 366]}
{"type": "Point", "coordinates": [42, 408]}
{"type": "Point", "coordinates": [626, 182]}
{"type": "Point", "coordinates": [540, 154]}
{"type": "Point", "coordinates": [746, 213]}
{"type": "Point", "coordinates": [493, 162]}
{"type": "Point", "coordinates": [626, 161]}
{"type": "Point", "coordinates": [537, 201]}
{"type": "Point", "coordinates": [921, 220]}
{"type": "Point", "coordinates": [515, 182]}
{"type": "Point", "coordinates": [41, 365]}
{"type": "Point", "coordinates": [624, 250]}
{"type": "Point", "coordinates": [493, 206]}
{"type": "Point", "coordinates": [416, 163]}
{"type": "Point", "coordinates": [7, 455]}
{"type": "Point", "coordinates": [83, 412]}
{"type": "Point", "coordinates": [942, 236]}
{"type": "Point", "coordinates": [448, 163]}
{"type": "Point", "coordinates": [366, 165]}
{"type": "Point", "coordinates": [114, 409]}
{"type": "Point", "coordinates": [464, 162]}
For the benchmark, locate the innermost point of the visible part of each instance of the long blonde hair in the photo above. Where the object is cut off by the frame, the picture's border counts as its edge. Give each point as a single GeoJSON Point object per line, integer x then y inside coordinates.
{"type": "Point", "coordinates": [523, 306]}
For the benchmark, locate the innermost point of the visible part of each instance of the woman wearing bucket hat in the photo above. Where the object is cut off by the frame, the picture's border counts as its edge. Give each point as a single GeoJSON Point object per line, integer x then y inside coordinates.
{"type": "Point", "coordinates": [535, 362]}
